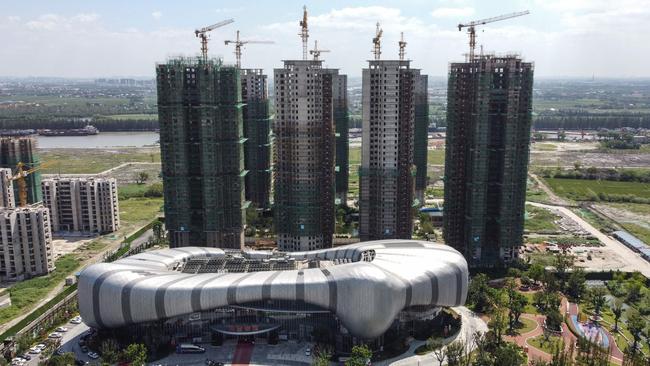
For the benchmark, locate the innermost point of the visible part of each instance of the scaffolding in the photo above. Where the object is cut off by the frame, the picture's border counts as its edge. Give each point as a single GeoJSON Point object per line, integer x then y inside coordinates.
{"type": "Point", "coordinates": [23, 149]}
{"type": "Point", "coordinates": [486, 161]}
{"type": "Point", "coordinates": [201, 142]}
{"type": "Point", "coordinates": [420, 136]}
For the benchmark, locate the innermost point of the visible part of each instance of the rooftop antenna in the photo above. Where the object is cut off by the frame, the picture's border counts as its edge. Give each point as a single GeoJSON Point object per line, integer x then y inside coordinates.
{"type": "Point", "coordinates": [471, 28]}
{"type": "Point", "coordinates": [316, 52]}
{"type": "Point", "coordinates": [402, 46]}
{"type": "Point", "coordinates": [377, 42]}
{"type": "Point", "coordinates": [203, 34]}
{"type": "Point", "coordinates": [239, 44]}
{"type": "Point", "coordinates": [304, 32]}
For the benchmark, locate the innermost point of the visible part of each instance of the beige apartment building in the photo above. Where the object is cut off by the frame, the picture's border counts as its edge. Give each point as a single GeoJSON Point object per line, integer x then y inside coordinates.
{"type": "Point", "coordinates": [6, 189]}
{"type": "Point", "coordinates": [25, 243]}
{"type": "Point", "coordinates": [82, 204]}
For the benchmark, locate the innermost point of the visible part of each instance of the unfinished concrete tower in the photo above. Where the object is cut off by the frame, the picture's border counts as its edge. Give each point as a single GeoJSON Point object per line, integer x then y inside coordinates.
{"type": "Point", "coordinates": [341, 123]}
{"type": "Point", "coordinates": [201, 143]}
{"type": "Point", "coordinates": [387, 170]}
{"type": "Point", "coordinates": [489, 104]}
{"type": "Point", "coordinates": [257, 131]}
{"type": "Point", "coordinates": [6, 189]}
{"type": "Point", "coordinates": [22, 149]}
{"type": "Point", "coordinates": [420, 136]}
{"type": "Point", "coordinates": [304, 156]}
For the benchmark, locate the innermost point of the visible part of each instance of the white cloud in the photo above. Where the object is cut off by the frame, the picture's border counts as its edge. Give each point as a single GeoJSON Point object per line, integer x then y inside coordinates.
{"type": "Point", "coordinates": [452, 12]}
{"type": "Point", "coordinates": [157, 14]}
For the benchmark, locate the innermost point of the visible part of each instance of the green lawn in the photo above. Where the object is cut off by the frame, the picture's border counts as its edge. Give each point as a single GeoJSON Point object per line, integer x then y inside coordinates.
{"type": "Point", "coordinates": [140, 209]}
{"type": "Point", "coordinates": [133, 116]}
{"type": "Point", "coordinates": [525, 325]}
{"type": "Point", "coordinates": [580, 189]}
{"type": "Point", "coordinates": [540, 343]}
{"type": "Point", "coordinates": [90, 161]}
{"type": "Point", "coordinates": [638, 208]}
{"type": "Point", "coordinates": [544, 147]}
{"type": "Point", "coordinates": [434, 157]}
{"type": "Point", "coordinates": [25, 294]}
{"type": "Point", "coordinates": [540, 220]}
{"type": "Point", "coordinates": [530, 308]}
{"type": "Point", "coordinates": [127, 191]}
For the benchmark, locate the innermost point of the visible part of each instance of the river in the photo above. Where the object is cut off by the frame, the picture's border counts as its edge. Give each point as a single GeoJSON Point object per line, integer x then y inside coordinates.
{"type": "Point", "coordinates": [103, 139]}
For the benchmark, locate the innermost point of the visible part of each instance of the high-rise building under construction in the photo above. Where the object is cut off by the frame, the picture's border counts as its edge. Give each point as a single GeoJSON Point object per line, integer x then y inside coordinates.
{"type": "Point", "coordinates": [22, 149]}
{"type": "Point", "coordinates": [420, 135]}
{"type": "Point", "coordinates": [201, 143]}
{"type": "Point", "coordinates": [489, 104]}
{"type": "Point", "coordinates": [257, 131]}
{"type": "Point", "coordinates": [304, 156]}
{"type": "Point", "coordinates": [341, 125]}
{"type": "Point", "coordinates": [387, 170]}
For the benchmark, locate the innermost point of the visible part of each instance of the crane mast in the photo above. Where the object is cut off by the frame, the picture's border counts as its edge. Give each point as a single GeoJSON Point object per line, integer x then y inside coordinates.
{"type": "Point", "coordinates": [202, 33]}
{"type": "Point", "coordinates": [239, 44]}
{"type": "Point", "coordinates": [471, 28]}
{"type": "Point", "coordinates": [304, 32]}
{"type": "Point", "coordinates": [376, 41]}
{"type": "Point", "coordinates": [20, 176]}
{"type": "Point", "coordinates": [402, 47]}
{"type": "Point", "coordinates": [316, 52]}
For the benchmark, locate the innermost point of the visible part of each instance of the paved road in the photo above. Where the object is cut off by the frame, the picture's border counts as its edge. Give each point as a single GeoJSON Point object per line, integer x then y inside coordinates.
{"type": "Point", "coordinates": [632, 261]}
{"type": "Point", "coordinates": [69, 343]}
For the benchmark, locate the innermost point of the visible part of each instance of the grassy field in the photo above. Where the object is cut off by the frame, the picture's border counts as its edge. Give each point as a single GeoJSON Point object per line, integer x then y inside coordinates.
{"type": "Point", "coordinates": [26, 293]}
{"type": "Point", "coordinates": [90, 161]}
{"type": "Point", "coordinates": [540, 220]}
{"type": "Point", "coordinates": [120, 117]}
{"type": "Point", "coordinates": [637, 208]}
{"type": "Point", "coordinates": [544, 147]}
{"type": "Point", "coordinates": [434, 157]}
{"type": "Point", "coordinates": [140, 209]}
{"type": "Point", "coordinates": [525, 325]}
{"type": "Point", "coordinates": [581, 189]}
{"type": "Point", "coordinates": [540, 343]}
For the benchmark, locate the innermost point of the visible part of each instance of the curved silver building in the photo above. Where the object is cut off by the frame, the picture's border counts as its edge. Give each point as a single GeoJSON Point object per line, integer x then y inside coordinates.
{"type": "Point", "coordinates": [365, 286]}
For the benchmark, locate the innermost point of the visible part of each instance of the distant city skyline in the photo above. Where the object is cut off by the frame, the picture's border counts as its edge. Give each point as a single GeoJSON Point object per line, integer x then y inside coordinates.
{"type": "Point", "coordinates": [569, 38]}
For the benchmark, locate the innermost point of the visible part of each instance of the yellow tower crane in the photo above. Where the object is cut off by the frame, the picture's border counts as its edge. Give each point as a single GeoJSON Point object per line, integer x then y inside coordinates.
{"type": "Point", "coordinates": [471, 28]}
{"type": "Point", "coordinates": [239, 44]}
{"type": "Point", "coordinates": [203, 34]}
{"type": "Point", "coordinates": [19, 177]}
{"type": "Point", "coordinates": [376, 41]}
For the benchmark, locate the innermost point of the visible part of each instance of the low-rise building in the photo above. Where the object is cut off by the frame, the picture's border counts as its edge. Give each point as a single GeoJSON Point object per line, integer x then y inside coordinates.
{"type": "Point", "coordinates": [25, 243]}
{"type": "Point", "coordinates": [82, 204]}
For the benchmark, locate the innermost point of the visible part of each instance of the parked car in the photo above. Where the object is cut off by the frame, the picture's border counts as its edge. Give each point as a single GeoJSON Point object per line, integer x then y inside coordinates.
{"type": "Point", "coordinates": [55, 336]}
{"type": "Point", "coordinates": [189, 348]}
{"type": "Point", "coordinates": [61, 329]}
{"type": "Point", "coordinates": [76, 320]}
{"type": "Point", "coordinates": [42, 346]}
{"type": "Point", "coordinates": [308, 352]}
{"type": "Point", "coordinates": [18, 361]}
{"type": "Point", "coordinates": [25, 356]}
{"type": "Point", "coordinates": [84, 349]}
{"type": "Point", "coordinates": [93, 355]}
{"type": "Point", "coordinates": [60, 351]}
{"type": "Point", "coordinates": [80, 362]}
{"type": "Point", "coordinates": [35, 350]}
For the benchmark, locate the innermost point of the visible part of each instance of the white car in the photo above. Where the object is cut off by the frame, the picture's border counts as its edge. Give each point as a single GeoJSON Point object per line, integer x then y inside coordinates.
{"type": "Point", "coordinates": [76, 320]}
{"type": "Point", "coordinates": [55, 335]}
{"type": "Point", "coordinates": [93, 355]}
{"type": "Point", "coordinates": [41, 346]}
{"type": "Point", "coordinates": [18, 361]}
{"type": "Point", "coordinates": [34, 350]}
{"type": "Point", "coordinates": [308, 352]}
{"type": "Point", "coordinates": [61, 329]}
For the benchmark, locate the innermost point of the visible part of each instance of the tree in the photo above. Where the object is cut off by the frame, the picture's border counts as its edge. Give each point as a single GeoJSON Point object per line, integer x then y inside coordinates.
{"type": "Point", "coordinates": [536, 272]}
{"type": "Point", "coordinates": [597, 298]}
{"type": "Point", "coordinates": [576, 283]}
{"type": "Point", "coordinates": [498, 324]}
{"type": "Point", "coordinates": [136, 354]}
{"type": "Point", "coordinates": [633, 291]}
{"type": "Point", "coordinates": [439, 351]}
{"type": "Point", "coordinates": [360, 356]}
{"type": "Point", "coordinates": [65, 359]}
{"type": "Point", "coordinates": [617, 309]}
{"type": "Point", "coordinates": [635, 324]}
{"type": "Point", "coordinates": [553, 319]}
{"type": "Point", "coordinates": [479, 293]}
{"type": "Point", "coordinates": [509, 354]}
{"type": "Point", "coordinates": [322, 358]}
{"type": "Point", "coordinates": [562, 264]}
{"type": "Point", "coordinates": [516, 304]}
{"type": "Point", "coordinates": [110, 351]}
{"type": "Point", "coordinates": [455, 354]}
{"type": "Point", "coordinates": [141, 177]}
{"type": "Point", "coordinates": [561, 135]}
{"type": "Point", "coordinates": [158, 232]}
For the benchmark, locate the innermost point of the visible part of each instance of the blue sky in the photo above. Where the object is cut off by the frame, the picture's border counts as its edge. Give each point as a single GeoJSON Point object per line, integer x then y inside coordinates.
{"type": "Point", "coordinates": [126, 38]}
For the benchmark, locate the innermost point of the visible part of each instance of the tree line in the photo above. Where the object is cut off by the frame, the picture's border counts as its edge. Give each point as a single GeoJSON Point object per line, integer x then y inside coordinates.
{"type": "Point", "coordinates": [103, 124]}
